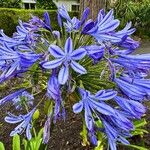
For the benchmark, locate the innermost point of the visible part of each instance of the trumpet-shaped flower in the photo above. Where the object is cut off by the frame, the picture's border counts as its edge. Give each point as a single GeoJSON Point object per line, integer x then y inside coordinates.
{"type": "Point", "coordinates": [73, 24]}
{"type": "Point", "coordinates": [136, 89]}
{"type": "Point", "coordinates": [25, 123]}
{"type": "Point", "coordinates": [114, 122]}
{"type": "Point", "coordinates": [15, 61]}
{"type": "Point", "coordinates": [11, 96]}
{"type": "Point", "coordinates": [96, 52]}
{"type": "Point", "coordinates": [114, 133]}
{"type": "Point", "coordinates": [65, 59]}
{"type": "Point", "coordinates": [94, 104]}
{"type": "Point", "coordinates": [25, 97]}
{"type": "Point", "coordinates": [132, 107]}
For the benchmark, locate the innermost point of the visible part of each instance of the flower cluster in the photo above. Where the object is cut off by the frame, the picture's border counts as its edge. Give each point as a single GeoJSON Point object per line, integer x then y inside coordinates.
{"type": "Point", "coordinates": [68, 56]}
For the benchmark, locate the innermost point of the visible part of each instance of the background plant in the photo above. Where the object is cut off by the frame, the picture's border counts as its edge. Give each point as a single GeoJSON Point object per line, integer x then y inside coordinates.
{"type": "Point", "coordinates": [137, 12]}
{"type": "Point", "coordinates": [10, 3]}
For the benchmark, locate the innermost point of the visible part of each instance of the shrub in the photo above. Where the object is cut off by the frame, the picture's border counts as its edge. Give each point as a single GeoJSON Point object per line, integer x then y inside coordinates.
{"type": "Point", "coordinates": [136, 11]}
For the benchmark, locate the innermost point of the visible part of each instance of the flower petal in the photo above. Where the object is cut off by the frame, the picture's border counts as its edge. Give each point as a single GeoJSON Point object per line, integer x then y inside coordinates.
{"type": "Point", "coordinates": [68, 46]}
{"type": "Point", "coordinates": [52, 64]}
{"type": "Point", "coordinates": [63, 75]}
{"type": "Point", "coordinates": [77, 108]}
{"type": "Point", "coordinates": [78, 68]}
{"type": "Point", "coordinates": [78, 54]}
{"type": "Point", "coordinates": [56, 51]}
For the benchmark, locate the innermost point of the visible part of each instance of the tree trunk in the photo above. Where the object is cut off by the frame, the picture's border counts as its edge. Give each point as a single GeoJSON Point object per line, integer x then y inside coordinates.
{"type": "Point", "coordinates": [94, 5]}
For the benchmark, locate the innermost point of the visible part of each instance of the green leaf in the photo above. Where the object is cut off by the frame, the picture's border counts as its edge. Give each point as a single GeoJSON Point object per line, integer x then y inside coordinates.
{"type": "Point", "coordinates": [2, 146]}
{"type": "Point", "coordinates": [139, 132]}
{"type": "Point", "coordinates": [137, 147]}
{"type": "Point", "coordinates": [140, 123]}
{"type": "Point", "coordinates": [16, 142]}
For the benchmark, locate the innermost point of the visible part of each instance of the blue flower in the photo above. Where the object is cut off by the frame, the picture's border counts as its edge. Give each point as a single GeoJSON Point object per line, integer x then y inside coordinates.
{"type": "Point", "coordinates": [114, 133]}
{"type": "Point", "coordinates": [11, 42]}
{"type": "Point", "coordinates": [63, 13]}
{"type": "Point", "coordinates": [24, 97]}
{"type": "Point", "coordinates": [133, 62]}
{"type": "Point", "coordinates": [54, 92]}
{"type": "Point", "coordinates": [15, 61]}
{"type": "Point", "coordinates": [94, 104]}
{"type": "Point", "coordinates": [85, 15]}
{"type": "Point", "coordinates": [11, 96]}
{"type": "Point", "coordinates": [115, 123]}
{"type": "Point", "coordinates": [103, 28]}
{"type": "Point", "coordinates": [125, 32]}
{"type": "Point", "coordinates": [136, 89]}
{"type": "Point", "coordinates": [65, 58]}
{"type": "Point", "coordinates": [47, 22]}
{"type": "Point", "coordinates": [74, 25]}
{"type": "Point", "coordinates": [134, 108]}
{"type": "Point", "coordinates": [47, 127]}
{"type": "Point", "coordinates": [96, 52]}
{"type": "Point", "coordinates": [25, 123]}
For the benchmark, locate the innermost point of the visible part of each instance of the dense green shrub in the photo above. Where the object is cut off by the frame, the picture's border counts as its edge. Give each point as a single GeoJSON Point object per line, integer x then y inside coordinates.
{"type": "Point", "coordinates": [137, 11]}
{"type": "Point", "coordinates": [9, 18]}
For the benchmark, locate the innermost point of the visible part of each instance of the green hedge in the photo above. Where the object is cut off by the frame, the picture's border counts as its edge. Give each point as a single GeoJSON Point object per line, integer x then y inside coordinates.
{"type": "Point", "coordinates": [9, 18]}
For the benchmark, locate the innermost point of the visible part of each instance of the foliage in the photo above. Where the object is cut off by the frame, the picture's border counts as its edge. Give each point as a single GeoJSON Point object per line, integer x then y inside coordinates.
{"type": "Point", "coordinates": [136, 11]}
{"type": "Point", "coordinates": [9, 18]}
{"type": "Point", "coordinates": [46, 4]}
{"type": "Point", "coordinates": [34, 144]}
{"type": "Point", "coordinates": [10, 3]}
{"type": "Point", "coordinates": [89, 64]}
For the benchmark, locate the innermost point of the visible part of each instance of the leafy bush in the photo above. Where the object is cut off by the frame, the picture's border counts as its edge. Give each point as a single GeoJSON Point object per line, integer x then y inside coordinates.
{"type": "Point", "coordinates": [9, 18]}
{"type": "Point", "coordinates": [136, 11]}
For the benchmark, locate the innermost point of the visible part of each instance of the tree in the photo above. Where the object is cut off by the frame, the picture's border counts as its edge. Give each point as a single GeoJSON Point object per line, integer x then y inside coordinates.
{"type": "Point", "coordinates": [10, 3]}
{"type": "Point", "coordinates": [46, 4]}
{"type": "Point", "coordinates": [95, 6]}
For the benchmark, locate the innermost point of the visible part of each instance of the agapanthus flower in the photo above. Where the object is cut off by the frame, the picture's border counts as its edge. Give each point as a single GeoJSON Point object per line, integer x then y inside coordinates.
{"type": "Point", "coordinates": [36, 23]}
{"type": "Point", "coordinates": [85, 15]}
{"type": "Point", "coordinates": [94, 104]}
{"type": "Point", "coordinates": [114, 133]}
{"type": "Point", "coordinates": [114, 122]}
{"type": "Point", "coordinates": [133, 62]}
{"type": "Point", "coordinates": [25, 97]}
{"type": "Point", "coordinates": [96, 52]}
{"type": "Point", "coordinates": [132, 107]}
{"type": "Point", "coordinates": [63, 13]}
{"type": "Point", "coordinates": [54, 92]}
{"type": "Point", "coordinates": [125, 32]}
{"type": "Point", "coordinates": [46, 132]}
{"type": "Point", "coordinates": [56, 34]}
{"type": "Point", "coordinates": [24, 34]}
{"type": "Point", "coordinates": [73, 24]}
{"type": "Point", "coordinates": [25, 123]}
{"type": "Point", "coordinates": [103, 28]}
{"type": "Point", "coordinates": [65, 58]}
{"type": "Point", "coordinates": [129, 43]}
{"type": "Point", "coordinates": [11, 42]}
{"type": "Point", "coordinates": [11, 96]}
{"type": "Point", "coordinates": [15, 61]}
{"type": "Point", "coordinates": [136, 89]}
